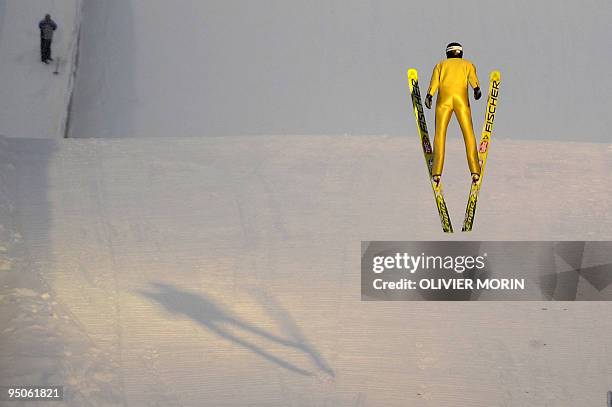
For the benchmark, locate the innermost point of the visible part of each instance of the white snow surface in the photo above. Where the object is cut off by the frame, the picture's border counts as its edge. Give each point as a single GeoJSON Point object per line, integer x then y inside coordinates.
{"type": "Point", "coordinates": [225, 272]}
{"type": "Point", "coordinates": [34, 101]}
{"type": "Point", "coordinates": [271, 67]}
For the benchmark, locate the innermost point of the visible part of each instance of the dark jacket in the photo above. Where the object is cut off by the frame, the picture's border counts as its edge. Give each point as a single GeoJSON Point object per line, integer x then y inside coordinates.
{"type": "Point", "coordinates": [46, 29]}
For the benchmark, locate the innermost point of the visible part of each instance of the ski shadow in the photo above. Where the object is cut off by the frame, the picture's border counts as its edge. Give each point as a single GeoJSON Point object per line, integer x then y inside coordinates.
{"type": "Point", "coordinates": [281, 315]}
{"type": "Point", "coordinates": [212, 316]}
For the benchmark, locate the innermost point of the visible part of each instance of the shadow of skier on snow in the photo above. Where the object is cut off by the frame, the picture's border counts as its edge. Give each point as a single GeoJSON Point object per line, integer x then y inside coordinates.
{"type": "Point", "coordinates": [275, 310]}
{"type": "Point", "coordinates": [210, 315]}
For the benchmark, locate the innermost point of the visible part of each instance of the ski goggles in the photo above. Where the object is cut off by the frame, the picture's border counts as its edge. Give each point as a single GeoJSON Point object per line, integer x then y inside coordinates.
{"type": "Point", "coordinates": [454, 48]}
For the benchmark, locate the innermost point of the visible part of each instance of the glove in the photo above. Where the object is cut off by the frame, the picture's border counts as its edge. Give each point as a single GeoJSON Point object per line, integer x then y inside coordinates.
{"type": "Point", "coordinates": [477, 93]}
{"type": "Point", "coordinates": [428, 101]}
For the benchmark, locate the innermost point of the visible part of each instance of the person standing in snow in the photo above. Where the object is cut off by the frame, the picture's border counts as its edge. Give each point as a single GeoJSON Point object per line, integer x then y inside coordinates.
{"type": "Point", "coordinates": [451, 78]}
{"type": "Point", "coordinates": [47, 26]}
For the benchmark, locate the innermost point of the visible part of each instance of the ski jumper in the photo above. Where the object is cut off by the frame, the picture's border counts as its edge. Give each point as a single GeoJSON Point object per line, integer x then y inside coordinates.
{"type": "Point", "coordinates": [450, 78]}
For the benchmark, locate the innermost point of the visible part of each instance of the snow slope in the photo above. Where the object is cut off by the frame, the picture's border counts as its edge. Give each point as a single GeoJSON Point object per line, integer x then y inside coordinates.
{"type": "Point", "coordinates": [226, 68]}
{"type": "Point", "coordinates": [225, 272]}
{"type": "Point", "coordinates": [33, 101]}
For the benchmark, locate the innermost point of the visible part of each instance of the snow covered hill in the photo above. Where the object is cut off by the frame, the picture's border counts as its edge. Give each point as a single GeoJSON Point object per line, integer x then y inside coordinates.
{"type": "Point", "coordinates": [225, 271]}
{"type": "Point", "coordinates": [230, 68]}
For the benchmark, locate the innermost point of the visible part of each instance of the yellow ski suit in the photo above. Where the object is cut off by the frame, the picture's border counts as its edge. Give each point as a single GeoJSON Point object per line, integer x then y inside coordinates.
{"type": "Point", "coordinates": [451, 77]}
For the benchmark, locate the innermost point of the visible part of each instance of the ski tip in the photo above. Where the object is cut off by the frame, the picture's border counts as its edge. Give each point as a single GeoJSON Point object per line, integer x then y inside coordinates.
{"type": "Point", "coordinates": [413, 74]}
{"type": "Point", "coordinates": [495, 75]}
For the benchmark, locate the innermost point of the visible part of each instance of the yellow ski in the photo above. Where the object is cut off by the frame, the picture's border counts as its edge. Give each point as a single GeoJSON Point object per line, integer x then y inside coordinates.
{"type": "Point", "coordinates": [415, 93]}
{"type": "Point", "coordinates": [483, 148]}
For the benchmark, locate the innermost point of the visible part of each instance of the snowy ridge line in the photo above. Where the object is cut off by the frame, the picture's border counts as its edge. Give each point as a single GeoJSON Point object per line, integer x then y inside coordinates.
{"type": "Point", "coordinates": [74, 58]}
